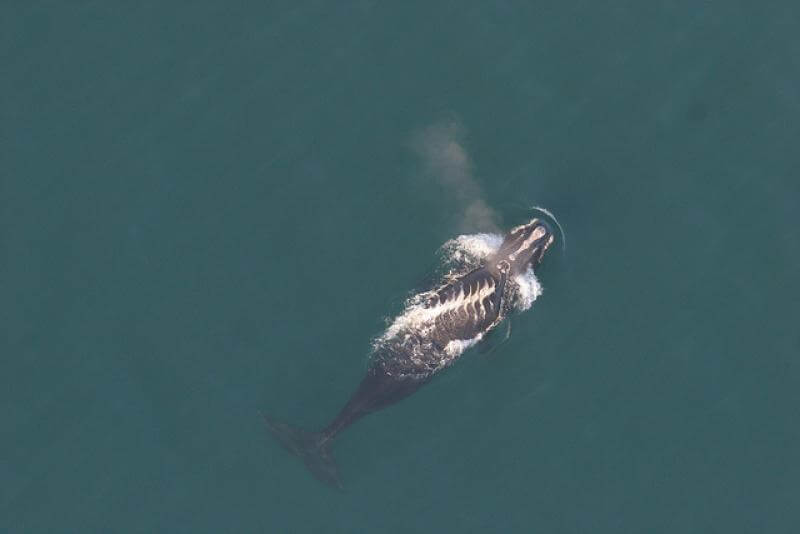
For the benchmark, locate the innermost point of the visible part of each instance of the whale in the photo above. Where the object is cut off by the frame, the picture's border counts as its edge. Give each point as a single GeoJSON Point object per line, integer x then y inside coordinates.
{"type": "Point", "coordinates": [437, 327]}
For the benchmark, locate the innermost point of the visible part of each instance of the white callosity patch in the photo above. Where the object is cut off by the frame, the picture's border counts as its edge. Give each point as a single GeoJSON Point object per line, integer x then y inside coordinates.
{"type": "Point", "coordinates": [410, 332]}
{"type": "Point", "coordinates": [538, 233]}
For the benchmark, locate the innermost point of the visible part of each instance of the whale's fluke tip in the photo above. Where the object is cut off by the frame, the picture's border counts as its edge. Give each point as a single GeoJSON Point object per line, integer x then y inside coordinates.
{"type": "Point", "coordinates": [311, 447]}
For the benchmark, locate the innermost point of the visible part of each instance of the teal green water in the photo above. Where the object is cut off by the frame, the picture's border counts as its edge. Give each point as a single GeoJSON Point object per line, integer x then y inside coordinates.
{"type": "Point", "coordinates": [207, 212]}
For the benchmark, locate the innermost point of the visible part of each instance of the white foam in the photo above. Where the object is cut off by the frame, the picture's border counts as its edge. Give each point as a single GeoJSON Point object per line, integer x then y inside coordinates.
{"type": "Point", "coordinates": [416, 317]}
{"type": "Point", "coordinates": [527, 290]}
{"type": "Point", "coordinates": [456, 347]}
{"type": "Point", "coordinates": [471, 249]}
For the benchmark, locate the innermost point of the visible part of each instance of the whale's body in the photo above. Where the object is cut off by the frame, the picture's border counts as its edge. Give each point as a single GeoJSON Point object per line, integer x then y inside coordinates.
{"type": "Point", "coordinates": [436, 327]}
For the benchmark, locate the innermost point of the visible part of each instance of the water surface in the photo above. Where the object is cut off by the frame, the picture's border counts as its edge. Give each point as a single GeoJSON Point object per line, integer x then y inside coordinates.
{"type": "Point", "coordinates": [208, 212]}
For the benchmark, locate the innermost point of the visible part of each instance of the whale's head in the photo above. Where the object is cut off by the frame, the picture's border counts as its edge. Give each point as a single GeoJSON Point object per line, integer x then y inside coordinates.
{"type": "Point", "coordinates": [523, 247]}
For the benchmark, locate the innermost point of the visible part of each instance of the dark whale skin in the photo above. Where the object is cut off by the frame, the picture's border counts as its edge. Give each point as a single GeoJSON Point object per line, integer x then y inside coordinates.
{"type": "Point", "coordinates": [462, 309]}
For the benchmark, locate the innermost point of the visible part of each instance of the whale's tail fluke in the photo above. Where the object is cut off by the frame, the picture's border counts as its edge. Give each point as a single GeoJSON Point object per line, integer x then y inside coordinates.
{"type": "Point", "coordinates": [311, 447]}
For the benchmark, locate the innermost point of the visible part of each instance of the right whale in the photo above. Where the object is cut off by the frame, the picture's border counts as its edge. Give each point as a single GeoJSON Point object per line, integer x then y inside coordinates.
{"type": "Point", "coordinates": [432, 332]}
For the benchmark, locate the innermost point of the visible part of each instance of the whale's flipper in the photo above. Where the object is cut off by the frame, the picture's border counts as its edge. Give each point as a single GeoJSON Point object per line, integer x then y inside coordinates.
{"type": "Point", "coordinates": [311, 447]}
{"type": "Point", "coordinates": [495, 338]}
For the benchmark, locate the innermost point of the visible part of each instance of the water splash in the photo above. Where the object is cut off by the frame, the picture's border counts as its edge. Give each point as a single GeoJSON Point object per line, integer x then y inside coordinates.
{"type": "Point", "coordinates": [470, 250]}
{"type": "Point", "coordinates": [526, 291]}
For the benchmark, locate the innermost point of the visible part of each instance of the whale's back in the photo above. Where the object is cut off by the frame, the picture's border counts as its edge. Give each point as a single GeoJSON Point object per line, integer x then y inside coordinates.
{"type": "Point", "coordinates": [467, 306]}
